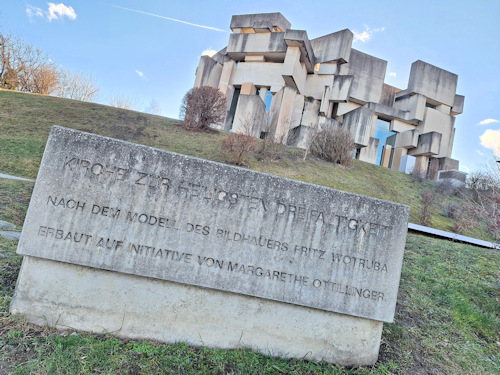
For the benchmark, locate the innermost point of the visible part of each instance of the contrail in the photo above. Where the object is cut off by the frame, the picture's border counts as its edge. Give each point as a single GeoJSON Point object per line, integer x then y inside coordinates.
{"type": "Point", "coordinates": [171, 19]}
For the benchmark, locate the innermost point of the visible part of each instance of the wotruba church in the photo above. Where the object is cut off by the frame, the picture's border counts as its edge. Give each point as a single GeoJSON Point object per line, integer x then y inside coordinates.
{"type": "Point", "coordinates": [280, 84]}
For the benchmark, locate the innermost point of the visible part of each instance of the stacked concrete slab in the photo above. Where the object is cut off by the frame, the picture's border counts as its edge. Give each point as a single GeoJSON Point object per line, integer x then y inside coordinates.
{"type": "Point", "coordinates": [325, 80]}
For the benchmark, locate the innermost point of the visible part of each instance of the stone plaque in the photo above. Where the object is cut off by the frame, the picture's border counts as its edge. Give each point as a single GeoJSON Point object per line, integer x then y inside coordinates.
{"type": "Point", "coordinates": [118, 206]}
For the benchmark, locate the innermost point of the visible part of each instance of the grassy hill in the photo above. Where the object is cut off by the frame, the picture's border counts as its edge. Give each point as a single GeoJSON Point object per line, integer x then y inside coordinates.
{"type": "Point", "coordinates": [25, 121]}
{"type": "Point", "coordinates": [447, 313]}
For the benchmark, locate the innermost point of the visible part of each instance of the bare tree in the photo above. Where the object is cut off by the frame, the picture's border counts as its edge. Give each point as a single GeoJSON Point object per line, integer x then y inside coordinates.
{"type": "Point", "coordinates": [122, 102]}
{"type": "Point", "coordinates": [202, 107]}
{"type": "Point", "coordinates": [26, 68]}
{"type": "Point", "coordinates": [153, 107]}
{"type": "Point", "coordinates": [77, 86]}
{"type": "Point", "coordinates": [482, 198]}
{"type": "Point", "coordinates": [332, 143]}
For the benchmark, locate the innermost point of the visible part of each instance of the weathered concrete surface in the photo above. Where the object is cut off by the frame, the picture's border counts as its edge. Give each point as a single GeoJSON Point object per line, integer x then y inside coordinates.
{"type": "Point", "coordinates": [66, 295]}
{"type": "Point", "coordinates": [117, 206]}
{"type": "Point", "coordinates": [433, 82]}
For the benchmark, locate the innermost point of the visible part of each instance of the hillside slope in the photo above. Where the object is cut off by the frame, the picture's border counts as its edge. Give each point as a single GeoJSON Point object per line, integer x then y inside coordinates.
{"type": "Point", "coordinates": [25, 121]}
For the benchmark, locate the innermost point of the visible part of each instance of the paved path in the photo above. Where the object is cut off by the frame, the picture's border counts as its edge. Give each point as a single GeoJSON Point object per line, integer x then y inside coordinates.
{"type": "Point", "coordinates": [10, 234]}
{"type": "Point", "coordinates": [14, 177]}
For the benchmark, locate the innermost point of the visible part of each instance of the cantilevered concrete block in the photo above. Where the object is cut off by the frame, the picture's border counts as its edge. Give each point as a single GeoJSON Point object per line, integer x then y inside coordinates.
{"type": "Point", "coordinates": [369, 74]}
{"type": "Point", "coordinates": [414, 105]}
{"type": "Point", "coordinates": [299, 38]}
{"type": "Point", "coordinates": [360, 123]}
{"type": "Point", "coordinates": [436, 121]}
{"type": "Point", "coordinates": [249, 115]}
{"type": "Point", "coordinates": [341, 88]}
{"type": "Point", "coordinates": [435, 83]}
{"type": "Point", "coordinates": [208, 72]}
{"type": "Point", "coordinates": [407, 139]}
{"type": "Point", "coordinates": [458, 105]}
{"type": "Point", "coordinates": [428, 144]}
{"type": "Point", "coordinates": [294, 73]}
{"type": "Point", "coordinates": [261, 22]}
{"type": "Point", "coordinates": [270, 45]}
{"type": "Point", "coordinates": [221, 57]}
{"type": "Point", "coordinates": [333, 47]}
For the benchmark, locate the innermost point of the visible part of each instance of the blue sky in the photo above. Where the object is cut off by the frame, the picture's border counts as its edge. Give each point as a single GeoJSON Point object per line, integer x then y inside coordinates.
{"type": "Point", "coordinates": [144, 53]}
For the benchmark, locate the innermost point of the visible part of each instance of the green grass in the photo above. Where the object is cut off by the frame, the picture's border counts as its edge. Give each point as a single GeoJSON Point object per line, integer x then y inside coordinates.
{"type": "Point", "coordinates": [446, 323]}
{"type": "Point", "coordinates": [447, 317]}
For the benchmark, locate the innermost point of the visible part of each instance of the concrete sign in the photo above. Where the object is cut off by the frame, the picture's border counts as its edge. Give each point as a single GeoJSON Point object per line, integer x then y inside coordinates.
{"type": "Point", "coordinates": [117, 206]}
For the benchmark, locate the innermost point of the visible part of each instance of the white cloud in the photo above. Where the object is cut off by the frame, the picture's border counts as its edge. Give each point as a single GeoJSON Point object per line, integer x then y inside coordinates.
{"type": "Point", "coordinates": [393, 74]}
{"type": "Point", "coordinates": [465, 168]}
{"type": "Point", "coordinates": [32, 11]}
{"type": "Point", "coordinates": [171, 19]}
{"type": "Point", "coordinates": [366, 35]}
{"type": "Point", "coordinates": [488, 121]}
{"type": "Point", "coordinates": [54, 12]}
{"type": "Point", "coordinates": [491, 140]}
{"type": "Point", "coordinates": [480, 153]}
{"type": "Point", "coordinates": [139, 73]}
{"type": "Point", "coordinates": [209, 52]}
{"type": "Point", "coordinates": [58, 11]}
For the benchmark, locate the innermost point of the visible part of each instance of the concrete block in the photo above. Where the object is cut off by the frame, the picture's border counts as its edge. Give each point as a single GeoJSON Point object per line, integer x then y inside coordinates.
{"type": "Point", "coordinates": [260, 74]}
{"type": "Point", "coordinates": [299, 38]}
{"type": "Point", "coordinates": [436, 121]}
{"type": "Point", "coordinates": [255, 58]}
{"type": "Point", "coordinates": [386, 156]}
{"type": "Point", "coordinates": [66, 296]}
{"type": "Point", "coordinates": [249, 115]}
{"type": "Point", "coordinates": [388, 95]}
{"type": "Point", "coordinates": [326, 69]}
{"type": "Point", "coordinates": [369, 153]}
{"type": "Point", "coordinates": [341, 88]}
{"type": "Point", "coordinates": [458, 105]}
{"type": "Point", "coordinates": [294, 73]}
{"type": "Point", "coordinates": [261, 21]}
{"type": "Point", "coordinates": [360, 123]}
{"type": "Point", "coordinates": [333, 47]}
{"type": "Point", "coordinates": [113, 205]}
{"type": "Point", "coordinates": [448, 164]}
{"type": "Point", "coordinates": [414, 105]}
{"type": "Point", "coordinates": [344, 108]}
{"type": "Point", "coordinates": [396, 159]}
{"type": "Point", "coordinates": [399, 126]}
{"type": "Point", "coordinates": [270, 45]}
{"type": "Point", "coordinates": [369, 74]}
{"type": "Point", "coordinates": [428, 144]}
{"type": "Point", "coordinates": [433, 82]}
{"type": "Point", "coordinates": [225, 79]}
{"type": "Point", "coordinates": [208, 72]}
{"type": "Point", "coordinates": [407, 139]}
{"type": "Point", "coordinates": [310, 113]}
{"type": "Point", "coordinates": [248, 88]}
